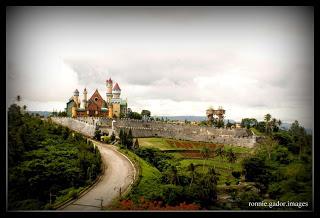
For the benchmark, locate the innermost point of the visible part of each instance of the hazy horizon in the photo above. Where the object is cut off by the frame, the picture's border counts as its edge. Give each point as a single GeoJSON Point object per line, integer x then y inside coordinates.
{"type": "Point", "coordinates": [169, 60]}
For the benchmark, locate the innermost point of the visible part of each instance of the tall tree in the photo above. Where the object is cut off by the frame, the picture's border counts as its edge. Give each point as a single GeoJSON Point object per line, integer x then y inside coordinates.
{"type": "Point", "coordinates": [129, 139]}
{"type": "Point", "coordinates": [191, 168]}
{"type": "Point", "coordinates": [205, 152]}
{"type": "Point", "coordinates": [231, 156]}
{"type": "Point", "coordinates": [267, 119]}
{"type": "Point", "coordinates": [136, 144]}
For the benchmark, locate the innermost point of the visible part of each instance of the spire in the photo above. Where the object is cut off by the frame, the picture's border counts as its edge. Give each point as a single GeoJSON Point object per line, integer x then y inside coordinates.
{"type": "Point", "coordinates": [116, 87]}
{"type": "Point", "coordinates": [109, 80]}
{"type": "Point", "coordinates": [76, 92]}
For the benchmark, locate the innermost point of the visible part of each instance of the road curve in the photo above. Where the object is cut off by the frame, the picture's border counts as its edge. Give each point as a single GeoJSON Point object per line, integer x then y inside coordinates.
{"type": "Point", "coordinates": [119, 173]}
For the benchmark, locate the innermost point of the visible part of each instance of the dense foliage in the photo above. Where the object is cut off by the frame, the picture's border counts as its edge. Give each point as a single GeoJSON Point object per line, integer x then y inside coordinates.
{"type": "Point", "coordinates": [174, 188]}
{"type": "Point", "coordinates": [279, 168]}
{"type": "Point", "coordinates": [46, 158]}
{"type": "Point", "coordinates": [282, 166]}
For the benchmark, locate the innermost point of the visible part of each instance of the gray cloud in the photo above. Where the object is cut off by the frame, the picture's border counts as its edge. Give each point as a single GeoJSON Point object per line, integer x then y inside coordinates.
{"type": "Point", "coordinates": [252, 60]}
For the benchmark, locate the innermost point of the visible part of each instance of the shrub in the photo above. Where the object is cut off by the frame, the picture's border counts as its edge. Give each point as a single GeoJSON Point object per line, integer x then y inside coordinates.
{"type": "Point", "coordinates": [105, 139]}
{"type": "Point", "coordinates": [236, 174]}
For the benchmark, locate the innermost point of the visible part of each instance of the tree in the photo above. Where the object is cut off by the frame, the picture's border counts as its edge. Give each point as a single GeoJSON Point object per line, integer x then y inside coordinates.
{"type": "Point", "coordinates": [219, 151]}
{"type": "Point", "coordinates": [191, 168]}
{"type": "Point", "coordinates": [268, 144]}
{"type": "Point", "coordinates": [124, 138]}
{"type": "Point", "coordinates": [274, 125]}
{"type": "Point", "coordinates": [135, 115]}
{"type": "Point", "coordinates": [146, 113]}
{"type": "Point", "coordinates": [267, 119]}
{"type": "Point", "coordinates": [299, 137]}
{"type": "Point", "coordinates": [231, 156]}
{"type": "Point", "coordinates": [256, 170]}
{"type": "Point", "coordinates": [113, 137]}
{"type": "Point", "coordinates": [279, 123]}
{"type": "Point", "coordinates": [219, 123]}
{"type": "Point", "coordinates": [129, 141]}
{"type": "Point", "coordinates": [261, 126]}
{"type": "Point", "coordinates": [136, 144]}
{"type": "Point", "coordinates": [205, 152]}
{"type": "Point", "coordinates": [172, 175]}
{"type": "Point", "coordinates": [121, 136]}
{"type": "Point", "coordinates": [97, 135]}
{"type": "Point", "coordinates": [229, 125]}
{"type": "Point", "coordinates": [248, 122]}
{"type": "Point", "coordinates": [18, 98]}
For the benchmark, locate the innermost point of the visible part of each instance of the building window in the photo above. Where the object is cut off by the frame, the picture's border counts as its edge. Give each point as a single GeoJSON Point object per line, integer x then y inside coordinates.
{"type": "Point", "coordinates": [96, 98]}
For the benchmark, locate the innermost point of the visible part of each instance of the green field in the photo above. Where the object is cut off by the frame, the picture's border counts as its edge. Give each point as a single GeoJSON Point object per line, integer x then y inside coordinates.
{"type": "Point", "coordinates": [222, 166]}
{"type": "Point", "coordinates": [159, 143]}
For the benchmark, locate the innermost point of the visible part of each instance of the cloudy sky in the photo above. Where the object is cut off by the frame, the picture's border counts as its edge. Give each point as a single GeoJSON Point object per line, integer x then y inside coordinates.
{"type": "Point", "coordinates": [169, 60]}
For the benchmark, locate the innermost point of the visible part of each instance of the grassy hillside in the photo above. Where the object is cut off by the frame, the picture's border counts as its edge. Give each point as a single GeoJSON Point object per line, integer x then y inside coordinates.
{"type": "Point", "coordinates": [211, 176]}
{"type": "Point", "coordinates": [46, 158]}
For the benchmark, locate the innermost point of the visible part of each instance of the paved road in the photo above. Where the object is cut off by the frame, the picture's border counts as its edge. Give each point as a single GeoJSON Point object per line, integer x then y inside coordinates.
{"type": "Point", "coordinates": [119, 173]}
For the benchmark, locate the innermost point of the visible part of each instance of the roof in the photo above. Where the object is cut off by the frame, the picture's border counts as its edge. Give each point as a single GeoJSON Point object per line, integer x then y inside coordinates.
{"type": "Point", "coordinates": [116, 87]}
{"type": "Point", "coordinates": [109, 80]}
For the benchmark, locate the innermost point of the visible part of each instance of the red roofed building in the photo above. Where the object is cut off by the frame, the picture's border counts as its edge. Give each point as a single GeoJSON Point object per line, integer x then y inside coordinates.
{"type": "Point", "coordinates": [96, 106]}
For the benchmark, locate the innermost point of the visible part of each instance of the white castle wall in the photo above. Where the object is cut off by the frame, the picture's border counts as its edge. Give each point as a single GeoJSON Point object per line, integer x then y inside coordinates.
{"type": "Point", "coordinates": [86, 128]}
{"type": "Point", "coordinates": [140, 128]}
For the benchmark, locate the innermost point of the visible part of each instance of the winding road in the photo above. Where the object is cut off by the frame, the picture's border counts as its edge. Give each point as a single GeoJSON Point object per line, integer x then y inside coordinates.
{"type": "Point", "coordinates": [119, 173]}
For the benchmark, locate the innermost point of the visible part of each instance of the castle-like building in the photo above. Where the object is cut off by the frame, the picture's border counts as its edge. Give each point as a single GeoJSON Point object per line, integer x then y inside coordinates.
{"type": "Point", "coordinates": [96, 106]}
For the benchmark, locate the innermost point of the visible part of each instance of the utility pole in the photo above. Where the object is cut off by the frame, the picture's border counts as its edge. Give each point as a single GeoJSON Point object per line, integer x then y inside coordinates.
{"type": "Point", "coordinates": [119, 190]}
{"type": "Point", "coordinates": [101, 200]}
{"type": "Point", "coordinates": [51, 196]}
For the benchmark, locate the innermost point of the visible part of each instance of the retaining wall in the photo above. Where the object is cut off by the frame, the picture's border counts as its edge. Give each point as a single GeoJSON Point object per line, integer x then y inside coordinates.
{"type": "Point", "coordinates": [141, 128]}
{"type": "Point", "coordinates": [76, 125]}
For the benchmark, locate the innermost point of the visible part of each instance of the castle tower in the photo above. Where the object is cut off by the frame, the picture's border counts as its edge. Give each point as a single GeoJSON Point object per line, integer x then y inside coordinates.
{"type": "Point", "coordinates": [116, 91]}
{"type": "Point", "coordinates": [109, 90]}
{"type": "Point", "coordinates": [76, 98]}
{"type": "Point", "coordinates": [84, 101]}
{"type": "Point", "coordinates": [110, 110]}
{"type": "Point", "coordinates": [76, 103]}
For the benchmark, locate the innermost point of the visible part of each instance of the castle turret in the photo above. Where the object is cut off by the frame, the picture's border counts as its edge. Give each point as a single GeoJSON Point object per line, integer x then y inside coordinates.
{"type": "Point", "coordinates": [109, 90]}
{"type": "Point", "coordinates": [76, 98]}
{"type": "Point", "coordinates": [110, 110]}
{"type": "Point", "coordinates": [84, 101]}
{"type": "Point", "coordinates": [76, 103]}
{"type": "Point", "coordinates": [116, 91]}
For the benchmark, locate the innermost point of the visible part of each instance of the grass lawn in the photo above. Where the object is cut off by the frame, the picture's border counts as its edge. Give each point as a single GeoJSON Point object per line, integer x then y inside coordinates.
{"type": "Point", "coordinates": [223, 167]}
{"type": "Point", "coordinates": [159, 143]}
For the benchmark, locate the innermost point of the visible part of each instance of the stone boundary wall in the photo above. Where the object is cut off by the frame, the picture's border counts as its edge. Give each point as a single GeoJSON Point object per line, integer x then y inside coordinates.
{"type": "Point", "coordinates": [142, 128]}
{"type": "Point", "coordinates": [80, 126]}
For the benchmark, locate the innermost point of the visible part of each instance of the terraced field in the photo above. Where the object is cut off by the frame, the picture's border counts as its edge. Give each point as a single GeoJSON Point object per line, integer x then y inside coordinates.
{"type": "Point", "coordinates": [187, 152]}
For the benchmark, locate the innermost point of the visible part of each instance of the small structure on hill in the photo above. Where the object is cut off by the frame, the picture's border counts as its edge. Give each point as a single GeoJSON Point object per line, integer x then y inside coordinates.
{"type": "Point", "coordinates": [215, 115]}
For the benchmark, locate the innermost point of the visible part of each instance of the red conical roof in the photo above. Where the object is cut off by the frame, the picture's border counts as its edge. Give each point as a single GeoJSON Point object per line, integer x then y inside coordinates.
{"type": "Point", "coordinates": [116, 87]}
{"type": "Point", "coordinates": [109, 80]}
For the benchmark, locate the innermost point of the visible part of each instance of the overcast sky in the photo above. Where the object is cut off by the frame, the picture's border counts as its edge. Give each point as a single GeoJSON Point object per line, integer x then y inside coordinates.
{"type": "Point", "coordinates": [169, 60]}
